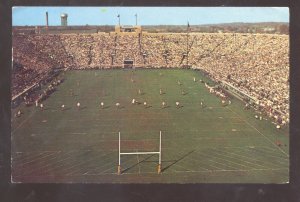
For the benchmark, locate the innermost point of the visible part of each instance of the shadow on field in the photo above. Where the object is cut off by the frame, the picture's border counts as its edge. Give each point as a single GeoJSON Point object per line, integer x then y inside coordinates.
{"type": "Point", "coordinates": [166, 107]}
{"type": "Point", "coordinates": [145, 159]}
{"type": "Point", "coordinates": [176, 161]}
{"type": "Point", "coordinates": [83, 108]}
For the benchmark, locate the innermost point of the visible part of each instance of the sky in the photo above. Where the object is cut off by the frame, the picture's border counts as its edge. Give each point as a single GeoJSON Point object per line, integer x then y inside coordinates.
{"type": "Point", "coordinates": [148, 15]}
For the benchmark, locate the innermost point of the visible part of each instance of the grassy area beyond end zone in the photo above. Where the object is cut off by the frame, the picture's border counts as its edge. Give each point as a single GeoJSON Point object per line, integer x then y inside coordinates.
{"type": "Point", "coordinates": [210, 144]}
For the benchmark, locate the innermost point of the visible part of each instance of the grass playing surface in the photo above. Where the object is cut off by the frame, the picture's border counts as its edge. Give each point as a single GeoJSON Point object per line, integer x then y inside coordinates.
{"type": "Point", "coordinates": [214, 144]}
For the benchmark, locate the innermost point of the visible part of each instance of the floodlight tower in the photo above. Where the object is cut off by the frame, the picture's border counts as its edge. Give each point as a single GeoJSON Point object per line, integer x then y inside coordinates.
{"type": "Point", "coordinates": [119, 19]}
{"type": "Point", "coordinates": [47, 22]}
{"type": "Point", "coordinates": [187, 44]}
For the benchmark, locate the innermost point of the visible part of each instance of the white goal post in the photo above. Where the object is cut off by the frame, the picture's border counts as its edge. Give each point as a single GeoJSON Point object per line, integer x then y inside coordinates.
{"type": "Point", "coordinates": [140, 153]}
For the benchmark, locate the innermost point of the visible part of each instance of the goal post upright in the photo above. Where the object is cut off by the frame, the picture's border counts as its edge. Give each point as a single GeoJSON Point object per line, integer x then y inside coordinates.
{"type": "Point", "coordinates": [159, 160]}
{"type": "Point", "coordinates": [119, 166]}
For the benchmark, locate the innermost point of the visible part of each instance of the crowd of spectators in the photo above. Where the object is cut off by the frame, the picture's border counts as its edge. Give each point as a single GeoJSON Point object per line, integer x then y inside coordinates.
{"type": "Point", "coordinates": [257, 64]}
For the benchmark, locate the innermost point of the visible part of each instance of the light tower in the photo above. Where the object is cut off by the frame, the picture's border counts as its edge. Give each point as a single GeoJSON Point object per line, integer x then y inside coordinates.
{"type": "Point", "coordinates": [47, 22]}
{"type": "Point", "coordinates": [119, 18]}
{"type": "Point", "coordinates": [187, 44]}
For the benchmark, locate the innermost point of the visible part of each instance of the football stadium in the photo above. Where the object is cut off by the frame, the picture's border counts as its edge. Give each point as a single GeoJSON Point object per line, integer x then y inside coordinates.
{"type": "Point", "coordinates": [130, 106]}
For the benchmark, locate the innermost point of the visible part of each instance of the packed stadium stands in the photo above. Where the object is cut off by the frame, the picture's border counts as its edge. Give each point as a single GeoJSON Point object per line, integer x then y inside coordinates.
{"type": "Point", "coordinates": [257, 64]}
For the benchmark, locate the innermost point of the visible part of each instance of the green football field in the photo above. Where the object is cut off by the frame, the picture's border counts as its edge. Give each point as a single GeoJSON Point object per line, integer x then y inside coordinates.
{"type": "Point", "coordinates": [210, 144]}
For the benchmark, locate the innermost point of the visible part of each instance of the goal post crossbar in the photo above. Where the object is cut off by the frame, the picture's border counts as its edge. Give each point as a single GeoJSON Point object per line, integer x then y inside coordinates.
{"type": "Point", "coordinates": [140, 153]}
{"type": "Point", "coordinates": [129, 153]}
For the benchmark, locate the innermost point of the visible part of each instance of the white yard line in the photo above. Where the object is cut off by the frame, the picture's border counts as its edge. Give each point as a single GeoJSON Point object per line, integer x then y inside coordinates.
{"type": "Point", "coordinates": [35, 159]}
{"type": "Point", "coordinates": [260, 133]}
{"type": "Point", "coordinates": [269, 153]}
{"type": "Point", "coordinates": [45, 167]}
{"type": "Point", "coordinates": [182, 167]}
{"type": "Point", "coordinates": [222, 164]}
{"type": "Point", "coordinates": [247, 162]}
{"type": "Point", "coordinates": [22, 123]}
{"type": "Point", "coordinates": [197, 161]}
{"type": "Point", "coordinates": [103, 172]}
{"type": "Point", "coordinates": [78, 133]}
{"type": "Point", "coordinates": [24, 156]}
{"type": "Point", "coordinates": [198, 171]}
{"type": "Point", "coordinates": [273, 169]}
{"type": "Point", "coordinates": [81, 163]}
{"type": "Point", "coordinates": [99, 173]}
{"type": "Point", "coordinates": [247, 157]}
{"type": "Point", "coordinates": [61, 160]}
{"type": "Point", "coordinates": [230, 161]}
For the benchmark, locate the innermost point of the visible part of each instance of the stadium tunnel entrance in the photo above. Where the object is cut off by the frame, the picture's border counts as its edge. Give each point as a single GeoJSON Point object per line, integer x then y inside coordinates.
{"type": "Point", "coordinates": [128, 64]}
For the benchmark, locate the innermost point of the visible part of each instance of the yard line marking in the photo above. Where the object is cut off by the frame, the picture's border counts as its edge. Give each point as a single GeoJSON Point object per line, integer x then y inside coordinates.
{"type": "Point", "coordinates": [230, 161]}
{"type": "Point", "coordinates": [22, 123]}
{"type": "Point", "coordinates": [242, 147]}
{"type": "Point", "coordinates": [197, 171]}
{"type": "Point", "coordinates": [247, 162]}
{"type": "Point", "coordinates": [20, 163]}
{"type": "Point", "coordinates": [97, 157]}
{"type": "Point", "coordinates": [243, 156]}
{"type": "Point", "coordinates": [211, 164]}
{"type": "Point", "coordinates": [182, 167]}
{"type": "Point", "coordinates": [44, 151]}
{"type": "Point", "coordinates": [42, 167]}
{"type": "Point", "coordinates": [218, 168]}
{"type": "Point", "coordinates": [273, 169]}
{"type": "Point", "coordinates": [261, 133]}
{"type": "Point", "coordinates": [37, 159]}
{"type": "Point", "coordinates": [266, 152]}
{"type": "Point", "coordinates": [88, 160]}
{"type": "Point", "coordinates": [269, 153]}
{"type": "Point", "coordinates": [197, 161]}
{"type": "Point", "coordinates": [78, 133]}
{"type": "Point", "coordinates": [222, 164]}
{"type": "Point", "coordinates": [102, 166]}
{"type": "Point", "coordinates": [103, 172]}
{"type": "Point", "coordinates": [24, 156]}
{"type": "Point", "coordinates": [55, 166]}
{"type": "Point", "coordinates": [110, 163]}
{"type": "Point", "coordinates": [239, 159]}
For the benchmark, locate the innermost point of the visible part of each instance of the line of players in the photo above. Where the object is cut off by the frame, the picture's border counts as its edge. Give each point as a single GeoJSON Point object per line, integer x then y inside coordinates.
{"type": "Point", "coordinates": [118, 105]}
